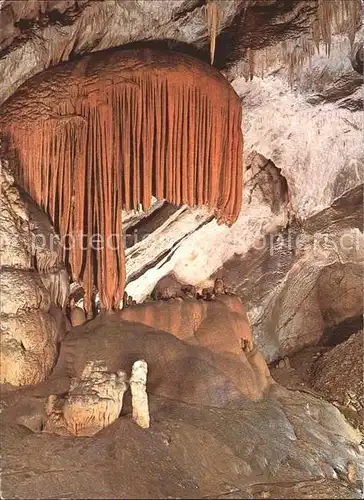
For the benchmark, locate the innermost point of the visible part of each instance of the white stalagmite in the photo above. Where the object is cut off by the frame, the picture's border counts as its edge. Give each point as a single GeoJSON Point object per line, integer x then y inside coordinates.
{"type": "Point", "coordinates": [95, 399]}
{"type": "Point", "coordinates": [93, 402]}
{"type": "Point", "coordinates": [138, 382]}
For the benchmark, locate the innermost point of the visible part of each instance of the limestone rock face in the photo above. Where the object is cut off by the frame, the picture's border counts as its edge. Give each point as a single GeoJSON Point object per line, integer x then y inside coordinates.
{"type": "Point", "coordinates": [28, 346]}
{"type": "Point", "coordinates": [21, 290]}
{"type": "Point", "coordinates": [193, 246]}
{"type": "Point", "coordinates": [29, 333]}
{"type": "Point", "coordinates": [296, 277]}
{"type": "Point", "coordinates": [193, 451]}
{"type": "Point", "coordinates": [47, 251]}
{"type": "Point", "coordinates": [305, 280]}
{"type": "Point", "coordinates": [218, 324]}
{"type": "Point", "coordinates": [84, 26]}
{"type": "Point", "coordinates": [15, 247]}
{"type": "Point", "coordinates": [295, 254]}
{"type": "Point", "coordinates": [338, 374]}
{"type": "Point", "coordinates": [94, 401]}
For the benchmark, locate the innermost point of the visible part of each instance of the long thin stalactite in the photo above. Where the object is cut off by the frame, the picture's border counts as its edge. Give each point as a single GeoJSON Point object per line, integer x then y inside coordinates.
{"type": "Point", "coordinates": [105, 133]}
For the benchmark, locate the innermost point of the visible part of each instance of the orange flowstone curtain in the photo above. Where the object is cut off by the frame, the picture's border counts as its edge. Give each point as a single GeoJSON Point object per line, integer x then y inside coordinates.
{"type": "Point", "coordinates": [106, 132]}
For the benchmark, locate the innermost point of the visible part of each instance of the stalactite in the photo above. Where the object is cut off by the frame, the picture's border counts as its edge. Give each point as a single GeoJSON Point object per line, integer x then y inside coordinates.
{"type": "Point", "coordinates": [213, 19]}
{"type": "Point", "coordinates": [105, 133]}
{"type": "Point", "coordinates": [333, 17]}
{"type": "Point", "coordinates": [341, 16]}
{"type": "Point", "coordinates": [251, 62]}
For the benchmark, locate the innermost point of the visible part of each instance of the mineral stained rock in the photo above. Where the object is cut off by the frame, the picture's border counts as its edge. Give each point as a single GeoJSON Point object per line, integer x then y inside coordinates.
{"type": "Point", "coordinates": [57, 113]}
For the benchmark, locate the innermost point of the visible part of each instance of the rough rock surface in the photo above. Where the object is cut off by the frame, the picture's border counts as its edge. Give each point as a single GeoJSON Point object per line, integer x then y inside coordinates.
{"type": "Point", "coordinates": [290, 444]}
{"type": "Point", "coordinates": [305, 280]}
{"type": "Point", "coordinates": [338, 374]}
{"type": "Point", "coordinates": [206, 438]}
{"type": "Point", "coordinates": [28, 346]}
{"type": "Point", "coordinates": [93, 402]}
{"type": "Point", "coordinates": [30, 326]}
{"type": "Point", "coordinates": [15, 233]}
{"type": "Point", "coordinates": [333, 372]}
{"type": "Point", "coordinates": [296, 281]}
{"type": "Point", "coordinates": [191, 243]}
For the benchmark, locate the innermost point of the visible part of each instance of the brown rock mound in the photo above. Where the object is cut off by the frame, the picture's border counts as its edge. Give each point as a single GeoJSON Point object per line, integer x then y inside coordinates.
{"type": "Point", "coordinates": [220, 324]}
{"type": "Point", "coordinates": [200, 363]}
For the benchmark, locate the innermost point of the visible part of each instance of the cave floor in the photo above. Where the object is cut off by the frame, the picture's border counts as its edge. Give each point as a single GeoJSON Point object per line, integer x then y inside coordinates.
{"type": "Point", "coordinates": [300, 374]}
{"type": "Point", "coordinates": [290, 445]}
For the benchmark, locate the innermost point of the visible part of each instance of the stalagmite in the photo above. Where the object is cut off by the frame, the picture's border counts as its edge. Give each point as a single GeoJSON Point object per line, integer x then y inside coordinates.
{"type": "Point", "coordinates": [94, 401]}
{"type": "Point", "coordinates": [77, 314]}
{"type": "Point", "coordinates": [138, 383]}
{"type": "Point", "coordinates": [104, 133]}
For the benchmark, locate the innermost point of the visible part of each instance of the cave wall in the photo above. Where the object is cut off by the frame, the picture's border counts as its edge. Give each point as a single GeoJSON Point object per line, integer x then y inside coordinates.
{"type": "Point", "coordinates": [302, 154]}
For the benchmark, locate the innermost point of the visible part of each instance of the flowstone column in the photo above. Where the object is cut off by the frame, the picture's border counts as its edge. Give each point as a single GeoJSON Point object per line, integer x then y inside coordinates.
{"type": "Point", "coordinates": [29, 332]}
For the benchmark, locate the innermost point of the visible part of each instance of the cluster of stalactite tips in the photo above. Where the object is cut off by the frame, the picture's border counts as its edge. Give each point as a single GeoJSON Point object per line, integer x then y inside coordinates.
{"type": "Point", "coordinates": [104, 133]}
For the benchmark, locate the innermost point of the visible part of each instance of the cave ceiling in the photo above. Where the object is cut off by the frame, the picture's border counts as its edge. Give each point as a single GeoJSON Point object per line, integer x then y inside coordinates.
{"type": "Point", "coordinates": [37, 34]}
{"type": "Point", "coordinates": [244, 24]}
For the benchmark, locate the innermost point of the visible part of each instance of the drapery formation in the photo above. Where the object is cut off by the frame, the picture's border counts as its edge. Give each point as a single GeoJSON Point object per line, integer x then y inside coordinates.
{"type": "Point", "coordinates": [108, 131]}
